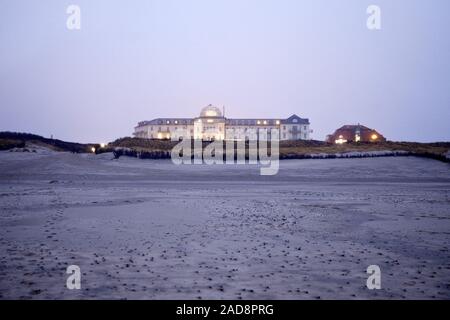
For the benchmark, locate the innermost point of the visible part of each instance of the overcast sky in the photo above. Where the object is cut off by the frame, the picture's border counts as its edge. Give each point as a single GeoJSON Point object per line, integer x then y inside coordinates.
{"type": "Point", "coordinates": [138, 60]}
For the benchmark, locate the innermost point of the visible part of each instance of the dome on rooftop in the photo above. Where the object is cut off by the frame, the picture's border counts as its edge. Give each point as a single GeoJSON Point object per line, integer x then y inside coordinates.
{"type": "Point", "coordinates": [210, 111]}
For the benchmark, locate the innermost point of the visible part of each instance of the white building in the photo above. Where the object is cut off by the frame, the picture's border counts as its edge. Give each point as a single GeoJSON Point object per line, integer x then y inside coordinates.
{"type": "Point", "coordinates": [212, 125]}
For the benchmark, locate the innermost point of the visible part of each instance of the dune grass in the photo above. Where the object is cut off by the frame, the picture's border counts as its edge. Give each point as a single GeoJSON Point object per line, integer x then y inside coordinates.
{"type": "Point", "coordinates": [148, 148]}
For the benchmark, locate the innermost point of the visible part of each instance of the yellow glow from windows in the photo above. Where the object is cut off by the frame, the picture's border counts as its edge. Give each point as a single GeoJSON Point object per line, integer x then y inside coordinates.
{"type": "Point", "coordinates": [374, 137]}
{"type": "Point", "coordinates": [93, 150]}
{"type": "Point", "coordinates": [258, 122]}
{"type": "Point", "coordinates": [265, 122]}
{"type": "Point", "coordinates": [176, 122]}
{"type": "Point", "coordinates": [277, 122]}
{"type": "Point", "coordinates": [102, 145]}
{"type": "Point", "coordinates": [160, 135]}
{"type": "Point", "coordinates": [210, 120]}
{"type": "Point", "coordinates": [211, 113]}
{"type": "Point", "coordinates": [340, 140]}
{"type": "Point", "coordinates": [357, 138]}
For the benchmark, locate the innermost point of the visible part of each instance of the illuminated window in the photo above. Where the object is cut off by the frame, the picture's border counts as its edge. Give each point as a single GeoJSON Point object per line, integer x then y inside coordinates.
{"type": "Point", "coordinates": [340, 141]}
{"type": "Point", "coordinates": [277, 122]}
{"type": "Point", "coordinates": [211, 113]}
{"type": "Point", "coordinates": [265, 122]}
{"type": "Point", "coordinates": [167, 121]}
{"type": "Point", "coordinates": [176, 122]}
{"type": "Point", "coordinates": [258, 122]}
{"type": "Point", "coordinates": [374, 137]}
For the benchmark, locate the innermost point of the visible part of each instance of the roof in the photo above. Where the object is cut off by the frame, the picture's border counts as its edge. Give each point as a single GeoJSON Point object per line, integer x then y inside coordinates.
{"type": "Point", "coordinates": [251, 122]}
{"type": "Point", "coordinates": [353, 127]}
{"type": "Point", "coordinates": [211, 111]}
{"type": "Point", "coordinates": [349, 131]}
{"type": "Point", "coordinates": [294, 119]}
{"type": "Point", "coordinates": [163, 121]}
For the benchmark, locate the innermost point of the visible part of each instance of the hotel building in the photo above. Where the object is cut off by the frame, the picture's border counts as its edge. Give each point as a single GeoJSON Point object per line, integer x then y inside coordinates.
{"type": "Point", "coordinates": [211, 124]}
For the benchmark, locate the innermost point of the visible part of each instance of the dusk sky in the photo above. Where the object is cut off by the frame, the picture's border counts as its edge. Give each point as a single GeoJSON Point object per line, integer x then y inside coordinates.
{"type": "Point", "coordinates": [139, 60]}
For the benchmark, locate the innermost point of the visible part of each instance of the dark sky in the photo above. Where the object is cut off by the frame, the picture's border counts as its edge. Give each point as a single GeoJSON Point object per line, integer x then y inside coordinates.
{"type": "Point", "coordinates": [138, 60]}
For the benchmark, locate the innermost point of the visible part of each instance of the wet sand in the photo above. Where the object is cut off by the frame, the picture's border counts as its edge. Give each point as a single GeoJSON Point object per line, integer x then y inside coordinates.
{"type": "Point", "coordinates": [146, 229]}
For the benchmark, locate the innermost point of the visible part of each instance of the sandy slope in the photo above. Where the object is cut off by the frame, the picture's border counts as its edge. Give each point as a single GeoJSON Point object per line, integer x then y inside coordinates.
{"type": "Point", "coordinates": [149, 229]}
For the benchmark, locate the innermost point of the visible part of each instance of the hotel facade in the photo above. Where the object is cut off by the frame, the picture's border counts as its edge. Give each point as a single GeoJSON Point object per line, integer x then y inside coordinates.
{"type": "Point", "coordinates": [211, 124]}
